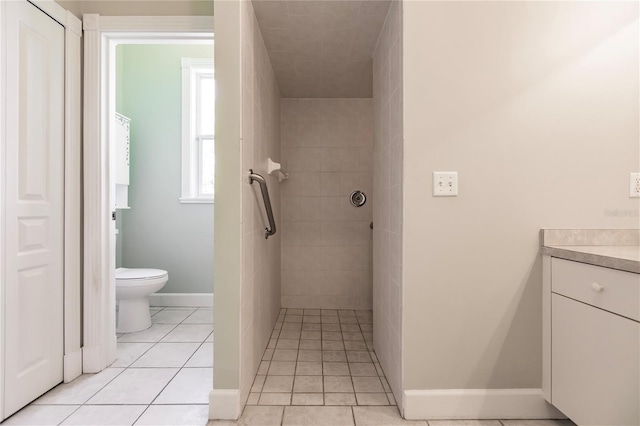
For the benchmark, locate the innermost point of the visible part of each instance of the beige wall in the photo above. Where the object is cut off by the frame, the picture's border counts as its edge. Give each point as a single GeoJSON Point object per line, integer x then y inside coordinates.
{"type": "Point", "coordinates": [139, 7]}
{"type": "Point", "coordinates": [326, 242]}
{"type": "Point", "coordinates": [535, 104]}
{"type": "Point", "coordinates": [387, 203]}
{"type": "Point", "coordinates": [260, 300]}
{"type": "Point", "coordinates": [228, 207]}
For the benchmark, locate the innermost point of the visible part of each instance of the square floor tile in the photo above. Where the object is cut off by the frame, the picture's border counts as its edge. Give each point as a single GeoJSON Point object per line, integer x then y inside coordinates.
{"type": "Point", "coordinates": [263, 416]}
{"type": "Point", "coordinates": [312, 311]}
{"type": "Point", "coordinates": [346, 313]}
{"type": "Point", "coordinates": [367, 384]}
{"type": "Point", "coordinates": [335, 368]}
{"type": "Point", "coordinates": [172, 315]}
{"type": "Point", "coordinates": [263, 368]}
{"type": "Point", "coordinates": [98, 415]}
{"type": "Point", "coordinates": [135, 386]}
{"type": "Point", "coordinates": [372, 398]}
{"type": "Point", "coordinates": [331, 335]}
{"type": "Point", "coordinates": [127, 353]}
{"type": "Point", "coordinates": [359, 356]}
{"type": "Point", "coordinates": [201, 316]}
{"type": "Point", "coordinates": [287, 344]}
{"type": "Point", "coordinates": [153, 334]}
{"type": "Point", "coordinates": [36, 415]}
{"type": "Point", "coordinates": [285, 355]}
{"type": "Point", "coordinates": [351, 328]}
{"type": "Point", "coordinates": [310, 344]}
{"type": "Point", "coordinates": [79, 390]}
{"type": "Point", "coordinates": [308, 319]}
{"type": "Point", "coordinates": [278, 384]}
{"type": "Point", "coordinates": [317, 416]}
{"type": "Point", "coordinates": [354, 345]}
{"type": "Point", "coordinates": [203, 357]}
{"type": "Point", "coordinates": [329, 312]}
{"type": "Point", "coordinates": [258, 382]}
{"type": "Point", "coordinates": [363, 369]}
{"type": "Point", "coordinates": [332, 345]}
{"type": "Point", "coordinates": [334, 384]}
{"type": "Point", "coordinates": [274, 398]}
{"type": "Point", "coordinates": [311, 335]}
{"type": "Point", "coordinates": [348, 320]}
{"type": "Point", "coordinates": [307, 399]}
{"type": "Point", "coordinates": [334, 356]}
{"type": "Point", "coordinates": [189, 386]}
{"type": "Point", "coordinates": [307, 355]}
{"type": "Point", "coordinates": [330, 327]}
{"type": "Point", "coordinates": [253, 398]}
{"type": "Point", "coordinates": [175, 415]}
{"type": "Point", "coordinates": [184, 333]}
{"type": "Point", "coordinates": [167, 355]}
{"type": "Point", "coordinates": [329, 320]}
{"type": "Point", "coordinates": [293, 335]}
{"type": "Point", "coordinates": [309, 368]}
{"type": "Point", "coordinates": [294, 311]}
{"type": "Point", "coordinates": [339, 399]}
{"type": "Point", "coordinates": [352, 335]}
{"type": "Point", "coordinates": [307, 384]}
{"type": "Point", "coordinates": [293, 318]}
{"type": "Point", "coordinates": [282, 368]}
{"type": "Point", "coordinates": [291, 326]}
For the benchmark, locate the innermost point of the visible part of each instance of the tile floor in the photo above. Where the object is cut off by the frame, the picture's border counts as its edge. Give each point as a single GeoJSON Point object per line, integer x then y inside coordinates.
{"type": "Point", "coordinates": [319, 369]}
{"type": "Point", "coordinates": [321, 357]}
{"type": "Point", "coordinates": [162, 376]}
{"type": "Point", "coordinates": [358, 416]}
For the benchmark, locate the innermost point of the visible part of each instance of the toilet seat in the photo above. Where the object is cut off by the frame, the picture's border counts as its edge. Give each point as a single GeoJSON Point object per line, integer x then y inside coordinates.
{"type": "Point", "coordinates": [136, 274]}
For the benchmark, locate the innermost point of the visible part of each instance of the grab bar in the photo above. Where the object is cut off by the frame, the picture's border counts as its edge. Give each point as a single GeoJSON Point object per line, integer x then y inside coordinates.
{"type": "Point", "coordinates": [267, 202]}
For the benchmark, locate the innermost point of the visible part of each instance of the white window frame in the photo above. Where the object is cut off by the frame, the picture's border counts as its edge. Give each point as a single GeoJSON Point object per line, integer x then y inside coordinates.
{"type": "Point", "coordinates": [193, 69]}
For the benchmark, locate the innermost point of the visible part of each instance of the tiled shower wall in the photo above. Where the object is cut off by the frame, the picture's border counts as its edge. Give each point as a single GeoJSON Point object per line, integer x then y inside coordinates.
{"type": "Point", "coordinates": [387, 206]}
{"type": "Point", "coordinates": [326, 242]}
{"type": "Point", "coordinates": [260, 303]}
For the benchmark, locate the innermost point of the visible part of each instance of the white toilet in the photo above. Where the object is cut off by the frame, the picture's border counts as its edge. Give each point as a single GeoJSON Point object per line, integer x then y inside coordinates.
{"type": "Point", "coordinates": [133, 287]}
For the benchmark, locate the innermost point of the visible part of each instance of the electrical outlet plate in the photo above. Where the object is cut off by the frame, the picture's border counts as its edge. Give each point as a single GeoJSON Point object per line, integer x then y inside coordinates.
{"type": "Point", "coordinates": [634, 185]}
{"type": "Point", "coordinates": [445, 184]}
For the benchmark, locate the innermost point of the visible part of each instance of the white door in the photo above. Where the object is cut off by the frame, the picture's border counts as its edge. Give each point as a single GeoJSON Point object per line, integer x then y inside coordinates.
{"type": "Point", "coordinates": [34, 194]}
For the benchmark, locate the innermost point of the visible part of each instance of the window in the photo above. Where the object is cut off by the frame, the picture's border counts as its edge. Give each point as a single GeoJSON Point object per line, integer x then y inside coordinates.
{"type": "Point", "coordinates": [198, 122]}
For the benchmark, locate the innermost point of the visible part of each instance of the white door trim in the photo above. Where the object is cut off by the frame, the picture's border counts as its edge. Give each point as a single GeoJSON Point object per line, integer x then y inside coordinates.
{"type": "Point", "coordinates": [101, 33]}
{"type": "Point", "coordinates": [72, 203]}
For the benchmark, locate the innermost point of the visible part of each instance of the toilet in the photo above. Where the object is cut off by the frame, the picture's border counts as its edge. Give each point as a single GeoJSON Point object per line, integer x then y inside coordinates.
{"type": "Point", "coordinates": [133, 287]}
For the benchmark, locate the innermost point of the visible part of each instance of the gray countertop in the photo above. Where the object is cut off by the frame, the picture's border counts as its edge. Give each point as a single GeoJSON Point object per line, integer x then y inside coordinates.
{"type": "Point", "coordinates": [624, 258]}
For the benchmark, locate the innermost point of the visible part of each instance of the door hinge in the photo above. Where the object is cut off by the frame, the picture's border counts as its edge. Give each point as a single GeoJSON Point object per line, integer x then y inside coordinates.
{"type": "Point", "coordinates": [113, 215]}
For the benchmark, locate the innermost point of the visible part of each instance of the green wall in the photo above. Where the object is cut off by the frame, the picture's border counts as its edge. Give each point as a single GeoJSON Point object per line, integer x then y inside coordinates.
{"type": "Point", "coordinates": [158, 231]}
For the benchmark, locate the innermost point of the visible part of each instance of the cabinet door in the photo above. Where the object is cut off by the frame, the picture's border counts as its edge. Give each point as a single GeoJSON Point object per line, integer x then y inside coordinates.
{"type": "Point", "coordinates": [595, 364]}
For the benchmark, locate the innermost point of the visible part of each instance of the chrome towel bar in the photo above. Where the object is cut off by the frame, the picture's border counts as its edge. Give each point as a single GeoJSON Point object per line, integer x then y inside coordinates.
{"type": "Point", "coordinates": [267, 202]}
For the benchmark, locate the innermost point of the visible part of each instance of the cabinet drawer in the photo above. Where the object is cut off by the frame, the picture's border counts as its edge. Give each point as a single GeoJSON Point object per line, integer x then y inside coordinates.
{"type": "Point", "coordinates": [609, 289]}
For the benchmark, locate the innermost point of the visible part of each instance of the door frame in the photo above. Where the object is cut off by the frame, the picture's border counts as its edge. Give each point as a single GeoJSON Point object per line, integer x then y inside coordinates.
{"type": "Point", "coordinates": [101, 33]}
{"type": "Point", "coordinates": [72, 199]}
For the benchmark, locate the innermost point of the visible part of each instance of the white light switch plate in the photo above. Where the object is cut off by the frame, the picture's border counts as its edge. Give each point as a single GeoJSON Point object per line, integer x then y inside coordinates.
{"type": "Point", "coordinates": [445, 184]}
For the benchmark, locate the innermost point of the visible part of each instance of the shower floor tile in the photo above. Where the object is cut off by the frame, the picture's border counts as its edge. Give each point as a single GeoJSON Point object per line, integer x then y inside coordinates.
{"type": "Point", "coordinates": [321, 357]}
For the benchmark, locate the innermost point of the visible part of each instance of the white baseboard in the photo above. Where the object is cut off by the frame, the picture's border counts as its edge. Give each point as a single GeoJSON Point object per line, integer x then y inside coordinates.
{"type": "Point", "coordinates": [196, 300]}
{"type": "Point", "coordinates": [72, 365]}
{"type": "Point", "coordinates": [478, 404]}
{"type": "Point", "coordinates": [224, 404]}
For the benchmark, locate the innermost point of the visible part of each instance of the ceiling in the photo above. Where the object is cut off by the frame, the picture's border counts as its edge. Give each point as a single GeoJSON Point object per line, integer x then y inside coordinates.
{"type": "Point", "coordinates": [322, 48]}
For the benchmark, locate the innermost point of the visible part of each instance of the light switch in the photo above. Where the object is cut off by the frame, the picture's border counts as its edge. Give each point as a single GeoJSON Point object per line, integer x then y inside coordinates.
{"type": "Point", "coordinates": [445, 184]}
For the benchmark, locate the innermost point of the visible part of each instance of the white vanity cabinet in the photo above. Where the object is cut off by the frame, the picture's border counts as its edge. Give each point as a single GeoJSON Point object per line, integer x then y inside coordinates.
{"type": "Point", "coordinates": [122, 141]}
{"type": "Point", "coordinates": [592, 342]}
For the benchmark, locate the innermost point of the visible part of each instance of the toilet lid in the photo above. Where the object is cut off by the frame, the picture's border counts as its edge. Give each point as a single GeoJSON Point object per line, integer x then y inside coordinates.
{"type": "Point", "coordinates": [139, 273]}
